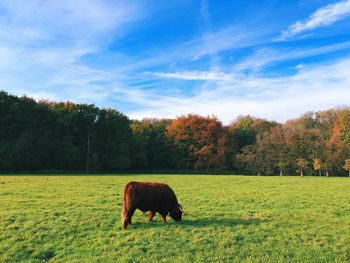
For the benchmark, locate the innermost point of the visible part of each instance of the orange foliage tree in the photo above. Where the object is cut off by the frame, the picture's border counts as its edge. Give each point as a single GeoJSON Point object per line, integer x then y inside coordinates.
{"type": "Point", "coordinates": [202, 140]}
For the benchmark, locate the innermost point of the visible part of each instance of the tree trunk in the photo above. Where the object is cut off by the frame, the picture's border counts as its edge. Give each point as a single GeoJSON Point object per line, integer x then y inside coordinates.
{"type": "Point", "coordinates": [327, 174]}
{"type": "Point", "coordinates": [88, 152]}
{"type": "Point", "coordinates": [281, 172]}
{"type": "Point", "coordinates": [301, 173]}
{"type": "Point", "coordinates": [319, 172]}
{"type": "Point", "coordinates": [349, 173]}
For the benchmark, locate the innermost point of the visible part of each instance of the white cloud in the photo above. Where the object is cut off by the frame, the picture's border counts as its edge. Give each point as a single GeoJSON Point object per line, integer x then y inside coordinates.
{"type": "Point", "coordinates": [193, 75]}
{"type": "Point", "coordinates": [313, 87]}
{"type": "Point", "coordinates": [299, 66]}
{"type": "Point", "coordinates": [265, 56]}
{"type": "Point", "coordinates": [59, 22]}
{"type": "Point", "coordinates": [324, 16]}
{"type": "Point", "coordinates": [46, 54]}
{"type": "Point", "coordinates": [42, 43]}
{"type": "Point", "coordinates": [196, 57]}
{"type": "Point", "coordinates": [255, 62]}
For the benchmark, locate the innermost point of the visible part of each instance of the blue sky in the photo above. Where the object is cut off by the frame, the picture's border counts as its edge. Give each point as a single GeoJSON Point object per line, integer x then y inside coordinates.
{"type": "Point", "coordinates": [271, 59]}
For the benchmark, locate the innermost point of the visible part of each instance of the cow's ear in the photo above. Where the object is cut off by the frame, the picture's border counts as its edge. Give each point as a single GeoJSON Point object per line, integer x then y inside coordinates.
{"type": "Point", "coordinates": [180, 208]}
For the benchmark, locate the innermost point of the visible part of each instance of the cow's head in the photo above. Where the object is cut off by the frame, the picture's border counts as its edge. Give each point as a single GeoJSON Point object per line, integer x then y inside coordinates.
{"type": "Point", "coordinates": [176, 213]}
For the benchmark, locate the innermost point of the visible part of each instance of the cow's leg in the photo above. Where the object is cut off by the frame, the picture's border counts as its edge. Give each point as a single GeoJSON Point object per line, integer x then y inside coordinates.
{"type": "Point", "coordinates": [124, 224]}
{"type": "Point", "coordinates": [130, 214]}
{"type": "Point", "coordinates": [151, 215]}
{"type": "Point", "coordinates": [125, 220]}
{"type": "Point", "coordinates": [127, 215]}
{"type": "Point", "coordinates": [164, 218]}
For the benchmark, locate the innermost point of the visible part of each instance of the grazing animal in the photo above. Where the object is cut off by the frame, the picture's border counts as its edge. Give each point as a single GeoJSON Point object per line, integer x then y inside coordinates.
{"type": "Point", "coordinates": [153, 197]}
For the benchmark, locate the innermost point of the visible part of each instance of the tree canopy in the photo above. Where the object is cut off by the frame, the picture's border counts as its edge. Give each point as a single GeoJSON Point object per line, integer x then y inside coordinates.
{"type": "Point", "coordinates": [64, 136]}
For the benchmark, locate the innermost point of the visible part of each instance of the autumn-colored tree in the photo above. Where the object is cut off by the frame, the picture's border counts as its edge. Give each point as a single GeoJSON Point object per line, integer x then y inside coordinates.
{"type": "Point", "coordinates": [347, 166]}
{"type": "Point", "coordinates": [317, 166]}
{"type": "Point", "coordinates": [246, 129]}
{"type": "Point", "coordinates": [344, 125]}
{"type": "Point", "coordinates": [45, 135]}
{"type": "Point", "coordinates": [302, 164]}
{"type": "Point", "coordinates": [282, 144]}
{"type": "Point", "coordinates": [338, 145]}
{"type": "Point", "coordinates": [258, 152]}
{"type": "Point", "coordinates": [201, 139]}
{"type": "Point", "coordinates": [272, 148]}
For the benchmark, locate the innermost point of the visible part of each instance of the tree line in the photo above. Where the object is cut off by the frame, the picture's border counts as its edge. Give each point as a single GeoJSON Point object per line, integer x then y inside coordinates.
{"type": "Point", "coordinates": [63, 136]}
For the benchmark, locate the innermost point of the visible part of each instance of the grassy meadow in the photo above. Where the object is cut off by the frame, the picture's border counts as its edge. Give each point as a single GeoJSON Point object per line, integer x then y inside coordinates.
{"type": "Point", "coordinates": [228, 219]}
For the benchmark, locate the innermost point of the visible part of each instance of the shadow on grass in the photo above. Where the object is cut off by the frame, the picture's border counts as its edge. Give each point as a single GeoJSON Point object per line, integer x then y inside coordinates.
{"type": "Point", "coordinates": [201, 222]}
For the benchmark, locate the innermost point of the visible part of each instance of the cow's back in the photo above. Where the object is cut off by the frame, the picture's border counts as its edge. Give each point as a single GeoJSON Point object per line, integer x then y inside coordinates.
{"type": "Point", "coordinates": [148, 196]}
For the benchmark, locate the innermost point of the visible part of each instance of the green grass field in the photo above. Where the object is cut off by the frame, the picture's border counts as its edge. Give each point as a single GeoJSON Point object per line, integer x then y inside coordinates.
{"type": "Point", "coordinates": [228, 218]}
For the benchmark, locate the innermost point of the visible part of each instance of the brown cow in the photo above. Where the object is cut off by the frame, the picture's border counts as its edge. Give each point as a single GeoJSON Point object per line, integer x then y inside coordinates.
{"type": "Point", "coordinates": [153, 197]}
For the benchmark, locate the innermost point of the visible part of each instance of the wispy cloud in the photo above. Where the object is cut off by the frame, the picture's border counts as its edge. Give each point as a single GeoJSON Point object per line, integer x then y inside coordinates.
{"type": "Point", "coordinates": [80, 59]}
{"type": "Point", "coordinates": [232, 37]}
{"type": "Point", "coordinates": [324, 16]}
{"type": "Point", "coordinates": [266, 56]}
{"type": "Point", "coordinates": [48, 55]}
{"type": "Point", "coordinates": [42, 44]}
{"type": "Point", "coordinates": [312, 87]}
{"type": "Point", "coordinates": [50, 24]}
{"type": "Point", "coordinates": [193, 75]}
{"type": "Point", "coordinates": [255, 62]}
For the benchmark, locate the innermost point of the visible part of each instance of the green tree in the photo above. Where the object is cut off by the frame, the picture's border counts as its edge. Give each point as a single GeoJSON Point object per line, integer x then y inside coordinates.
{"type": "Point", "coordinates": [246, 129]}
{"type": "Point", "coordinates": [61, 136]}
{"type": "Point", "coordinates": [152, 147]}
{"type": "Point", "coordinates": [111, 141]}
